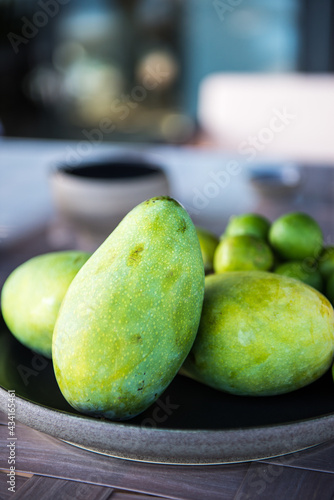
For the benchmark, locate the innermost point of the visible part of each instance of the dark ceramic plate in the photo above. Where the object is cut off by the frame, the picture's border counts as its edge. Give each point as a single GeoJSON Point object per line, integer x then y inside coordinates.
{"type": "Point", "coordinates": [189, 424]}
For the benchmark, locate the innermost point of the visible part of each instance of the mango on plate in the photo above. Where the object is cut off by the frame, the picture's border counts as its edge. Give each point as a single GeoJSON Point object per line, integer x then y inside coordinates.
{"type": "Point", "coordinates": [261, 334]}
{"type": "Point", "coordinates": [32, 295]}
{"type": "Point", "coordinates": [131, 314]}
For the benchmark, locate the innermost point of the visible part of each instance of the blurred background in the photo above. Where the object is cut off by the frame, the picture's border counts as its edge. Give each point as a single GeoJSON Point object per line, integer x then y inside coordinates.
{"type": "Point", "coordinates": [131, 70]}
{"type": "Point", "coordinates": [243, 86]}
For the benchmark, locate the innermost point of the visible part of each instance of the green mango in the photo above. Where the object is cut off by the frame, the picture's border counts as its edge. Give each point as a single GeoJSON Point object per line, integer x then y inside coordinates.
{"type": "Point", "coordinates": [261, 334]}
{"type": "Point", "coordinates": [32, 295]}
{"type": "Point", "coordinates": [131, 314]}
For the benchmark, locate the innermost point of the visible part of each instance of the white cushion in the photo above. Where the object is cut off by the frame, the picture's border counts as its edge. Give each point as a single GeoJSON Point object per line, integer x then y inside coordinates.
{"type": "Point", "coordinates": [238, 112]}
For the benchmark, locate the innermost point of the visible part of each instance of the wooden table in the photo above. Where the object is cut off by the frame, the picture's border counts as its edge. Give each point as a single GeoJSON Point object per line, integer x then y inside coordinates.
{"type": "Point", "coordinates": [51, 469]}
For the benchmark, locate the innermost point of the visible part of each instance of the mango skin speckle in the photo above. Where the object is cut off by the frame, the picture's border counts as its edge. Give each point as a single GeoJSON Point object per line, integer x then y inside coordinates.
{"type": "Point", "coordinates": [131, 315]}
{"type": "Point", "coordinates": [261, 334]}
{"type": "Point", "coordinates": [32, 295]}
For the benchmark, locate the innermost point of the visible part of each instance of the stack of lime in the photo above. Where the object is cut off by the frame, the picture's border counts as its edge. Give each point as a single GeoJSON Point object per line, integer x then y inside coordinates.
{"type": "Point", "coordinates": [292, 245]}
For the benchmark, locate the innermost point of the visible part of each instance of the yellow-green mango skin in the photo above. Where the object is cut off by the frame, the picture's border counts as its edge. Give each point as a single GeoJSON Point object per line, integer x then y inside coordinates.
{"type": "Point", "coordinates": [261, 334]}
{"type": "Point", "coordinates": [32, 295]}
{"type": "Point", "coordinates": [131, 314]}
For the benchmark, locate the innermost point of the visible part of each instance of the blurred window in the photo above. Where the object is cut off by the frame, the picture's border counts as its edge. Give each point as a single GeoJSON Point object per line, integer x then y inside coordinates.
{"type": "Point", "coordinates": [113, 70]}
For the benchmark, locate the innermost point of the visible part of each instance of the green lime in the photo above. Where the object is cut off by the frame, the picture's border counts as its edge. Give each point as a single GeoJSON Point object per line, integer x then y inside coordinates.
{"type": "Point", "coordinates": [326, 261]}
{"type": "Point", "coordinates": [296, 236]}
{"type": "Point", "coordinates": [301, 272]}
{"type": "Point", "coordinates": [251, 224]}
{"type": "Point", "coordinates": [208, 243]}
{"type": "Point", "coordinates": [330, 288]}
{"type": "Point", "coordinates": [242, 253]}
